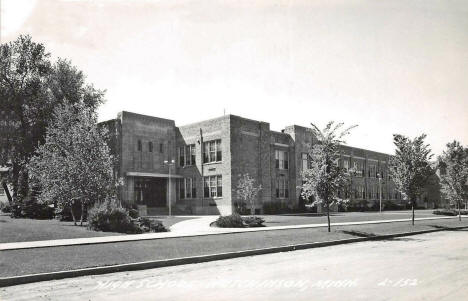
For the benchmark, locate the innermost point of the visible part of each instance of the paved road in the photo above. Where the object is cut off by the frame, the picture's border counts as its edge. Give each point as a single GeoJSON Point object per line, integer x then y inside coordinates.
{"type": "Point", "coordinates": [424, 267]}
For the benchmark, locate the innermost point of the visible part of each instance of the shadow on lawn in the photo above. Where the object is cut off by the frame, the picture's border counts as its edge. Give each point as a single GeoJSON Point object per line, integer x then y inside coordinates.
{"type": "Point", "coordinates": [447, 228]}
{"type": "Point", "coordinates": [358, 233]}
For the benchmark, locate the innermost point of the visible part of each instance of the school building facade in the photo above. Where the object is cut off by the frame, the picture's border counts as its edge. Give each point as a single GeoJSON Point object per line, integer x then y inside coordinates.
{"type": "Point", "coordinates": [196, 168]}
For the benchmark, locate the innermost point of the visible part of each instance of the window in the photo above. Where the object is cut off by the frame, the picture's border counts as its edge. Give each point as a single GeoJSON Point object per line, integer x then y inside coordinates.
{"type": "Point", "coordinates": [213, 186]}
{"type": "Point", "coordinates": [139, 147]}
{"type": "Point", "coordinates": [181, 156]}
{"type": "Point", "coordinates": [161, 148]}
{"type": "Point", "coordinates": [187, 188]}
{"type": "Point", "coordinates": [212, 151]}
{"type": "Point", "coordinates": [346, 164]}
{"type": "Point", "coordinates": [359, 168]}
{"type": "Point", "coordinates": [372, 172]}
{"type": "Point", "coordinates": [282, 159]}
{"type": "Point", "coordinates": [305, 161]}
{"type": "Point", "coordinates": [186, 155]}
{"type": "Point", "coordinates": [150, 147]}
{"type": "Point", "coordinates": [282, 188]}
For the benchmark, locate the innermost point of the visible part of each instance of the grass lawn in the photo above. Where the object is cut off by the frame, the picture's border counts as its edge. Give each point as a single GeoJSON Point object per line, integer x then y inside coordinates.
{"type": "Point", "coordinates": [341, 217]}
{"type": "Point", "coordinates": [23, 229]}
{"type": "Point", "coordinates": [40, 260]}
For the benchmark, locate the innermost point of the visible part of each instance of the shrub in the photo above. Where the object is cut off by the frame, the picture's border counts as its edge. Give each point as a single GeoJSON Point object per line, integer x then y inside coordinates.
{"type": "Point", "coordinates": [237, 221]}
{"type": "Point", "coordinates": [31, 208]}
{"type": "Point", "coordinates": [133, 213]}
{"type": "Point", "coordinates": [110, 217]}
{"type": "Point", "coordinates": [5, 207]}
{"type": "Point", "coordinates": [63, 213]}
{"type": "Point", "coordinates": [276, 208]}
{"type": "Point", "coordinates": [253, 221]}
{"type": "Point", "coordinates": [230, 221]}
{"type": "Point", "coordinates": [150, 225]}
{"type": "Point", "coordinates": [450, 212]}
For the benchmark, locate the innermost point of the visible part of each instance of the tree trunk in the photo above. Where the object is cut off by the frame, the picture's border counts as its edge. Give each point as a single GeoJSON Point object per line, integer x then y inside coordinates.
{"type": "Point", "coordinates": [73, 212]}
{"type": "Point", "coordinates": [328, 215]}
{"type": "Point", "coordinates": [412, 210]}
{"type": "Point", "coordinates": [459, 211]}
{"type": "Point", "coordinates": [82, 213]}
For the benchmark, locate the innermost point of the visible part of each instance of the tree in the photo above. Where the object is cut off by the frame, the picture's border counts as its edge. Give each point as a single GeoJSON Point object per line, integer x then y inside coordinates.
{"type": "Point", "coordinates": [31, 86]}
{"type": "Point", "coordinates": [410, 167]}
{"type": "Point", "coordinates": [247, 191]}
{"type": "Point", "coordinates": [454, 181]}
{"type": "Point", "coordinates": [325, 178]}
{"type": "Point", "coordinates": [74, 163]}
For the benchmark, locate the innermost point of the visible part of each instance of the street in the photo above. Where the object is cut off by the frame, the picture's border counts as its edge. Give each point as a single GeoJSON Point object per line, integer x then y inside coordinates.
{"type": "Point", "coordinates": [423, 267]}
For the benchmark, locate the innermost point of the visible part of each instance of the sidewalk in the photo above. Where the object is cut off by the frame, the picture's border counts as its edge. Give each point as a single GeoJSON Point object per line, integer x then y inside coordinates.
{"type": "Point", "coordinates": [188, 228]}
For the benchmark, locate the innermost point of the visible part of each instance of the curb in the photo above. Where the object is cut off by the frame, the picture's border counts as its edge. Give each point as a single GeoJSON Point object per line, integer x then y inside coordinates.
{"type": "Point", "coordinates": [24, 279]}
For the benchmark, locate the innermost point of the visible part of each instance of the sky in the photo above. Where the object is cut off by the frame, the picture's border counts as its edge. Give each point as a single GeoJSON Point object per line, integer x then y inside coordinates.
{"type": "Point", "coordinates": [388, 66]}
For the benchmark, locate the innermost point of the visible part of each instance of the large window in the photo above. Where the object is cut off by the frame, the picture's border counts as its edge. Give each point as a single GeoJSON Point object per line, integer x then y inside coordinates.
{"type": "Point", "coordinates": [346, 164]}
{"type": "Point", "coordinates": [187, 188]}
{"type": "Point", "coordinates": [150, 147]}
{"type": "Point", "coordinates": [139, 146]}
{"type": "Point", "coordinates": [359, 168]}
{"type": "Point", "coordinates": [359, 192]}
{"type": "Point", "coordinates": [372, 173]}
{"type": "Point", "coordinates": [212, 151]}
{"type": "Point", "coordinates": [187, 155]}
{"type": "Point", "coordinates": [282, 159]}
{"type": "Point", "coordinates": [213, 187]}
{"type": "Point", "coordinates": [282, 188]}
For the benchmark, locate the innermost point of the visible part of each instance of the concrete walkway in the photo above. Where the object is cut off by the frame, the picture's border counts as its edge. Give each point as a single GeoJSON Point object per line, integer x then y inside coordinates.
{"type": "Point", "coordinates": [189, 228]}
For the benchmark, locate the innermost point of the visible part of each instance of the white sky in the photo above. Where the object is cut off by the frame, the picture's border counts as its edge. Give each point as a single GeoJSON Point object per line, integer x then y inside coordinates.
{"type": "Point", "coordinates": [389, 66]}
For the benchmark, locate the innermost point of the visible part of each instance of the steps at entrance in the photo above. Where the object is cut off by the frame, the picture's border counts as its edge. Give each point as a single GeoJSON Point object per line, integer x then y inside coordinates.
{"type": "Point", "coordinates": [176, 210]}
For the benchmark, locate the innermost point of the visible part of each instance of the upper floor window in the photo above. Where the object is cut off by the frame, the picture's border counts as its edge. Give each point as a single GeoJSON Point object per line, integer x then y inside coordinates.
{"type": "Point", "coordinates": [346, 164]}
{"type": "Point", "coordinates": [372, 171]}
{"type": "Point", "coordinates": [282, 159]}
{"type": "Point", "coordinates": [139, 146]}
{"type": "Point", "coordinates": [187, 155]}
{"type": "Point", "coordinates": [358, 166]}
{"type": "Point", "coordinates": [213, 186]}
{"type": "Point", "coordinates": [161, 148]}
{"type": "Point", "coordinates": [212, 151]}
{"type": "Point", "coordinates": [150, 147]}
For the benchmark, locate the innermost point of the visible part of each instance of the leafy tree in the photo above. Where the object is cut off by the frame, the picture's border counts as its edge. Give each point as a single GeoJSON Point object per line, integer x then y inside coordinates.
{"type": "Point", "coordinates": [454, 181]}
{"type": "Point", "coordinates": [74, 163]}
{"type": "Point", "coordinates": [325, 178]}
{"type": "Point", "coordinates": [31, 86]}
{"type": "Point", "coordinates": [247, 191]}
{"type": "Point", "coordinates": [410, 167]}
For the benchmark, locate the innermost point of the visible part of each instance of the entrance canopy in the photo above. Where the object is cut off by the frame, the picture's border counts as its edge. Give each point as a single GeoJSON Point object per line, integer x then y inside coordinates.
{"type": "Point", "coordinates": [150, 174]}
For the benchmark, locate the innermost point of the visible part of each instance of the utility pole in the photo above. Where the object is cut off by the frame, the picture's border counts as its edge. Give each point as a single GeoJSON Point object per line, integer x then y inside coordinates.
{"type": "Point", "coordinates": [169, 164]}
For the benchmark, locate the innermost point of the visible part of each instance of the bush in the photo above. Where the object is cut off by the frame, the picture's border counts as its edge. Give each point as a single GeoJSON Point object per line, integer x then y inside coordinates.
{"type": "Point", "coordinates": [5, 207]}
{"type": "Point", "coordinates": [230, 221]}
{"type": "Point", "coordinates": [150, 225]}
{"type": "Point", "coordinates": [253, 221]}
{"type": "Point", "coordinates": [237, 221]}
{"type": "Point", "coordinates": [63, 212]}
{"type": "Point", "coordinates": [110, 217]}
{"type": "Point", "coordinates": [277, 208]}
{"type": "Point", "coordinates": [31, 208]}
{"type": "Point", "coordinates": [133, 213]}
{"type": "Point", "coordinates": [450, 212]}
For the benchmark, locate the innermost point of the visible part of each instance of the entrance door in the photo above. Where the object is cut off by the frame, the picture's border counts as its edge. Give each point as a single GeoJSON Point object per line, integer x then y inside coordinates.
{"type": "Point", "coordinates": [151, 191]}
